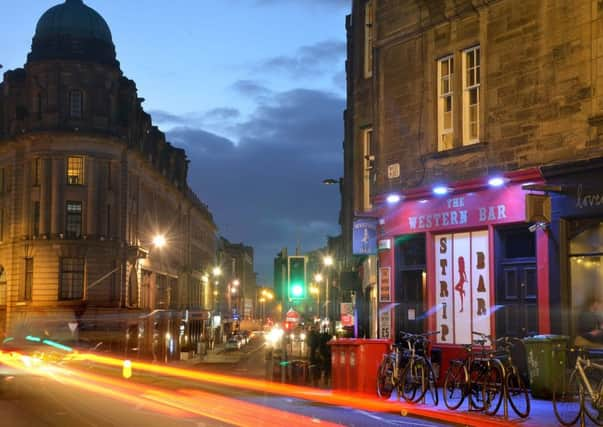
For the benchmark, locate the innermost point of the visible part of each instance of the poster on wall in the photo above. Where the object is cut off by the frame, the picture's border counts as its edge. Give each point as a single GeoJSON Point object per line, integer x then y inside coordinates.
{"type": "Point", "coordinates": [462, 286]}
{"type": "Point", "coordinates": [385, 290]}
{"type": "Point", "coordinates": [444, 317]}
{"type": "Point", "coordinates": [461, 277]}
{"type": "Point", "coordinates": [480, 284]}
{"type": "Point", "coordinates": [385, 324]}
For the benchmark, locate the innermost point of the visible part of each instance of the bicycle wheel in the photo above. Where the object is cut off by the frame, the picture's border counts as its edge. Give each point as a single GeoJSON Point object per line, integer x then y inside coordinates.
{"type": "Point", "coordinates": [385, 378]}
{"type": "Point", "coordinates": [410, 381]}
{"type": "Point", "coordinates": [455, 386]}
{"type": "Point", "coordinates": [432, 386]}
{"type": "Point", "coordinates": [477, 379]}
{"type": "Point", "coordinates": [492, 389]}
{"type": "Point", "coordinates": [594, 409]}
{"type": "Point", "coordinates": [567, 399]}
{"type": "Point", "coordinates": [518, 394]}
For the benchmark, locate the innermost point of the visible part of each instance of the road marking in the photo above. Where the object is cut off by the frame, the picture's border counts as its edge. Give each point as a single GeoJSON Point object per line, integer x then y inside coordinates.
{"type": "Point", "coordinates": [413, 423]}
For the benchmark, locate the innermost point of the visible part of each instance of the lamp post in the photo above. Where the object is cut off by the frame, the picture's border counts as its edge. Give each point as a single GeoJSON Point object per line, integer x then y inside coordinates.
{"type": "Point", "coordinates": [316, 291]}
{"type": "Point", "coordinates": [328, 262]}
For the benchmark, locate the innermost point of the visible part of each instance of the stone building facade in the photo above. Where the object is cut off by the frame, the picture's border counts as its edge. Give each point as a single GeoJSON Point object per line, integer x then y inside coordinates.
{"type": "Point", "coordinates": [443, 96]}
{"type": "Point", "coordinates": [86, 184]}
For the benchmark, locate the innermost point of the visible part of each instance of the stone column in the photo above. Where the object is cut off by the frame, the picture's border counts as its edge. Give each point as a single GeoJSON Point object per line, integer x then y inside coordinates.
{"type": "Point", "coordinates": [92, 216]}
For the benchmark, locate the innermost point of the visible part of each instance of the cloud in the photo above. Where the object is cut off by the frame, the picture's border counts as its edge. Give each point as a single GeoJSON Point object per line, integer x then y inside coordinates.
{"type": "Point", "coordinates": [251, 89]}
{"type": "Point", "coordinates": [265, 190]}
{"type": "Point", "coordinates": [308, 60]}
{"type": "Point", "coordinates": [223, 113]}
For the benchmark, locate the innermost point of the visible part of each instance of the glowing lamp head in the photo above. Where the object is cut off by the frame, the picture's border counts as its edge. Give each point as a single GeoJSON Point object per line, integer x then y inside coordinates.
{"type": "Point", "coordinates": [216, 271]}
{"type": "Point", "coordinates": [393, 198]}
{"type": "Point", "coordinates": [328, 260]}
{"type": "Point", "coordinates": [440, 190]}
{"type": "Point", "coordinates": [496, 181]}
{"type": "Point", "coordinates": [318, 277]}
{"type": "Point", "coordinates": [159, 241]}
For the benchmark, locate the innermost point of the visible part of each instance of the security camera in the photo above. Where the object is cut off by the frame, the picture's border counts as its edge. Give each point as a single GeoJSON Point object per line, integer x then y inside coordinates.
{"type": "Point", "coordinates": [533, 228]}
{"type": "Point", "coordinates": [538, 226]}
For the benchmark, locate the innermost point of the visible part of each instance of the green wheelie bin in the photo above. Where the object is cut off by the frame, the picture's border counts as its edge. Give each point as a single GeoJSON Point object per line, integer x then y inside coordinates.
{"type": "Point", "coordinates": [546, 359]}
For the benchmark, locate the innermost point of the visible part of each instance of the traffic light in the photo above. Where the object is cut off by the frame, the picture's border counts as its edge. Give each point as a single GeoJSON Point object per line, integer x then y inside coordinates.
{"type": "Point", "coordinates": [297, 277]}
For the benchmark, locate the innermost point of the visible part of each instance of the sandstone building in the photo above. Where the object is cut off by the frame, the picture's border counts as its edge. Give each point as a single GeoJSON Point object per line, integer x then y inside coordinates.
{"type": "Point", "coordinates": [86, 184]}
{"type": "Point", "coordinates": [458, 114]}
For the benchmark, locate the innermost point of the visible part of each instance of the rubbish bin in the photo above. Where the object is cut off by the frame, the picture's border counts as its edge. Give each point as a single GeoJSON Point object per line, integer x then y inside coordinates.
{"type": "Point", "coordinates": [546, 359]}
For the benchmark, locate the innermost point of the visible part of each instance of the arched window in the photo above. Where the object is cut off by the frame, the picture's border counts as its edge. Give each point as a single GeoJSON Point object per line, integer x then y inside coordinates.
{"type": "Point", "coordinates": [76, 104]}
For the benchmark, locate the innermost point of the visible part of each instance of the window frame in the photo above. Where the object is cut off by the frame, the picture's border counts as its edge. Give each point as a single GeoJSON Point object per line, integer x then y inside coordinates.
{"type": "Point", "coordinates": [368, 166]}
{"type": "Point", "coordinates": [76, 271]}
{"type": "Point", "coordinates": [468, 137]}
{"type": "Point", "coordinates": [442, 100]}
{"type": "Point", "coordinates": [368, 39]}
{"type": "Point", "coordinates": [75, 175]}
{"type": "Point", "coordinates": [25, 293]}
{"type": "Point", "coordinates": [73, 214]}
{"type": "Point", "coordinates": [76, 105]}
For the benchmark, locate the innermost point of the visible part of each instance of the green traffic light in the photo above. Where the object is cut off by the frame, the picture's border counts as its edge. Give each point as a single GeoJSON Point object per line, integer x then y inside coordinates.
{"type": "Point", "coordinates": [297, 290]}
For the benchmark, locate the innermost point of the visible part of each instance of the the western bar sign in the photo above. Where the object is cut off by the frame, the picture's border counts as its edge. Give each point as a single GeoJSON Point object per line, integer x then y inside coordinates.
{"type": "Point", "coordinates": [480, 208]}
{"type": "Point", "coordinates": [365, 236]}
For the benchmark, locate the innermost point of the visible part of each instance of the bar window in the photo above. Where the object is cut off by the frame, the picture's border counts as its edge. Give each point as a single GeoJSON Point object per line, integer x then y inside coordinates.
{"type": "Point", "coordinates": [445, 99]}
{"type": "Point", "coordinates": [73, 226]}
{"type": "Point", "coordinates": [71, 284]}
{"type": "Point", "coordinates": [471, 95]}
{"type": "Point", "coordinates": [75, 170]}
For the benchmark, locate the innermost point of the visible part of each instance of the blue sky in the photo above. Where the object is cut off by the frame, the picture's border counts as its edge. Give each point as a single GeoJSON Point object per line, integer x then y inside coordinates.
{"type": "Point", "coordinates": [254, 90]}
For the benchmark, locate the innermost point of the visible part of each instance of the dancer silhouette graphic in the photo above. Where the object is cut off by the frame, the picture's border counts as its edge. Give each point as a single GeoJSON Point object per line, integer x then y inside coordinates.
{"type": "Point", "coordinates": [462, 280]}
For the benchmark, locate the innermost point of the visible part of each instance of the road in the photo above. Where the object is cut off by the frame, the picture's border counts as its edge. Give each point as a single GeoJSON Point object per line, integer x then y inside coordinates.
{"type": "Point", "coordinates": [96, 396]}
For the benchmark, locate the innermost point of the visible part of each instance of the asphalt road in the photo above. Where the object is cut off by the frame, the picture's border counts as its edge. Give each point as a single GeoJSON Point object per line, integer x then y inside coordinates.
{"type": "Point", "coordinates": [69, 399]}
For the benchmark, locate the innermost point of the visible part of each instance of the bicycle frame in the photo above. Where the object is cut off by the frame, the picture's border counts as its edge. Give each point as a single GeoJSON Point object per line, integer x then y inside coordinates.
{"type": "Point", "coordinates": [581, 363]}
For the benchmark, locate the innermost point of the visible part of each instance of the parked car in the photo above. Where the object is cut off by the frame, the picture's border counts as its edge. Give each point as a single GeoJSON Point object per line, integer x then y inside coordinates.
{"type": "Point", "coordinates": [232, 344]}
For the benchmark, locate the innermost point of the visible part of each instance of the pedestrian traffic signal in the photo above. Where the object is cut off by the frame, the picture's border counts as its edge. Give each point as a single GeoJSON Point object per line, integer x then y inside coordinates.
{"type": "Point", "coordinates": [297, 277]}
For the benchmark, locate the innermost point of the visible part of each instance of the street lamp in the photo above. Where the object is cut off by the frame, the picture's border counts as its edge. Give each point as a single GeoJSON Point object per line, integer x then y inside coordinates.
{"type": "Point", "coordinates": [216, 271]}
{"type": "Point", "coordinates": [159, 241]}
{"type": "Point", "coordinates": [327, 261]}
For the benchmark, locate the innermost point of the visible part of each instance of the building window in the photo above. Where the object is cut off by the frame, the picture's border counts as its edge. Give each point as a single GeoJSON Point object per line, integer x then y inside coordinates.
{"type": "Point", "coordinates": [445, 99]}
{"type": "Point", "coordinates": [109, 221]}
{"type": "Point", "coordinates": [25, 291]}
{"type": "Point", "coordinates": [75, 104]}
{"type": "Point", "coordinates": [368, 40]}
{"type": "Point", "coordinates": [471, 83]}
{"type": "Point", "coordinates": [73, 227]}
{"type": "Point", "coordinates": [75, 170]}
{"type": "Point", "coordinates": [35, 218]}
{"type": "Point", "coordinates": [369, 167]}
{"type": "Point", "coordinates": [71, 284]}
{"type": "Point", "coordinates": [2, 285]}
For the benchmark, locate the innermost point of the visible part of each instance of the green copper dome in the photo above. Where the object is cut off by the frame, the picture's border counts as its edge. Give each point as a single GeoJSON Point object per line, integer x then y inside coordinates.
{"type": "Point", "coordinates": [72, 31]}
{"type": "Point", "coordinates": [73, 18]}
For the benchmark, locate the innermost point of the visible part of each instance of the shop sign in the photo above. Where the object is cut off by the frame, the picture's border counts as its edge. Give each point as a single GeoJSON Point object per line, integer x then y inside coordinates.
{"type": "Point", "coordinates": [365, 236]}
{"type": "Point", "coordinates": [385, 324]}
{"type": "Point", "coordinates": [482, 208]}
{"type": "Point", "coordinates": [385, 285]}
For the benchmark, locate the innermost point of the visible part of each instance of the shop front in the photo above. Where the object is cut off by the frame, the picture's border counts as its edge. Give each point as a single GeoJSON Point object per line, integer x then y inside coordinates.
{"type": "Point", "coordinates": [463, 262]}
{"type": "Point", "coordinates": [576, 244]}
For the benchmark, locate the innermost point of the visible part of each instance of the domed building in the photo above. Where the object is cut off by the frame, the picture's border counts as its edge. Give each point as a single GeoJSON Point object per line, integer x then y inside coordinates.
{"type": "Point", "coordinates": [87, 183]}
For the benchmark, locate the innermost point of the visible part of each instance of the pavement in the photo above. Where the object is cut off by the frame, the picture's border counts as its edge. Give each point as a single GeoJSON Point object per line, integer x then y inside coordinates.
{"type": "Point", "coordinates": [541, 412]}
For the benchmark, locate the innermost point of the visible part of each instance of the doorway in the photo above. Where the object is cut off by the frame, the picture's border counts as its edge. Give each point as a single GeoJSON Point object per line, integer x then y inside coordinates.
{"type": "Point", "coordinates": [410, 284]}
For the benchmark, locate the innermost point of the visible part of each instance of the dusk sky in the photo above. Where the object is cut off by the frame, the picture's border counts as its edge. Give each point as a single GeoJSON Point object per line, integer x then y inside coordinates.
{"type": "Point", "coordinates": [254, 90]}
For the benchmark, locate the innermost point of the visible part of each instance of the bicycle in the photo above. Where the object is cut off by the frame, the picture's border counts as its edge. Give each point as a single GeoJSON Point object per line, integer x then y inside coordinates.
{"type": "Point", "coordinates": [418, 374]}
{"type": "Point", "coordinates": [576, 395]}
{"type": "Point", "coordinates": [388, 373]}
{"type": "Point", "coordinates": [466, 378]}
{"type": "Point", "coordinates": [506, 381]}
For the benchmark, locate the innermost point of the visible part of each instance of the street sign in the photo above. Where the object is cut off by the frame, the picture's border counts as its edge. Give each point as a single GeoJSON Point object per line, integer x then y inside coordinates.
{"type": "Point", "coordinates": [292, 316]}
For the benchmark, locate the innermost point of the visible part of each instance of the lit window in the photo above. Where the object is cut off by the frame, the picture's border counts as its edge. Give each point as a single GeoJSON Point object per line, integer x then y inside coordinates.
{"type": "Point", "coordinates": [73, 226]}
{"type": "Point", "coordinates": [471, 84]}
{"type": "Point", "coordinates": [445, 99]}
{"type": "Point", "coordinates": [75, 104]}
{"type": "Point", "coordinates": [75, 170]}
{"type": "Point", "coordinates": [369, 167]}
{"type": "Point", "coordinates": [71, 284]}
{"type": "Point", "coordinates": [368, 40]}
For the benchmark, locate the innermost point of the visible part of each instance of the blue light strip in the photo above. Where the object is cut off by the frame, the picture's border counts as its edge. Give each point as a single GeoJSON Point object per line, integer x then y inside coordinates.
{"type": "Point", "coordinates": [57, 345]}
{"type": "Point", "coordinates": [32, 338]}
